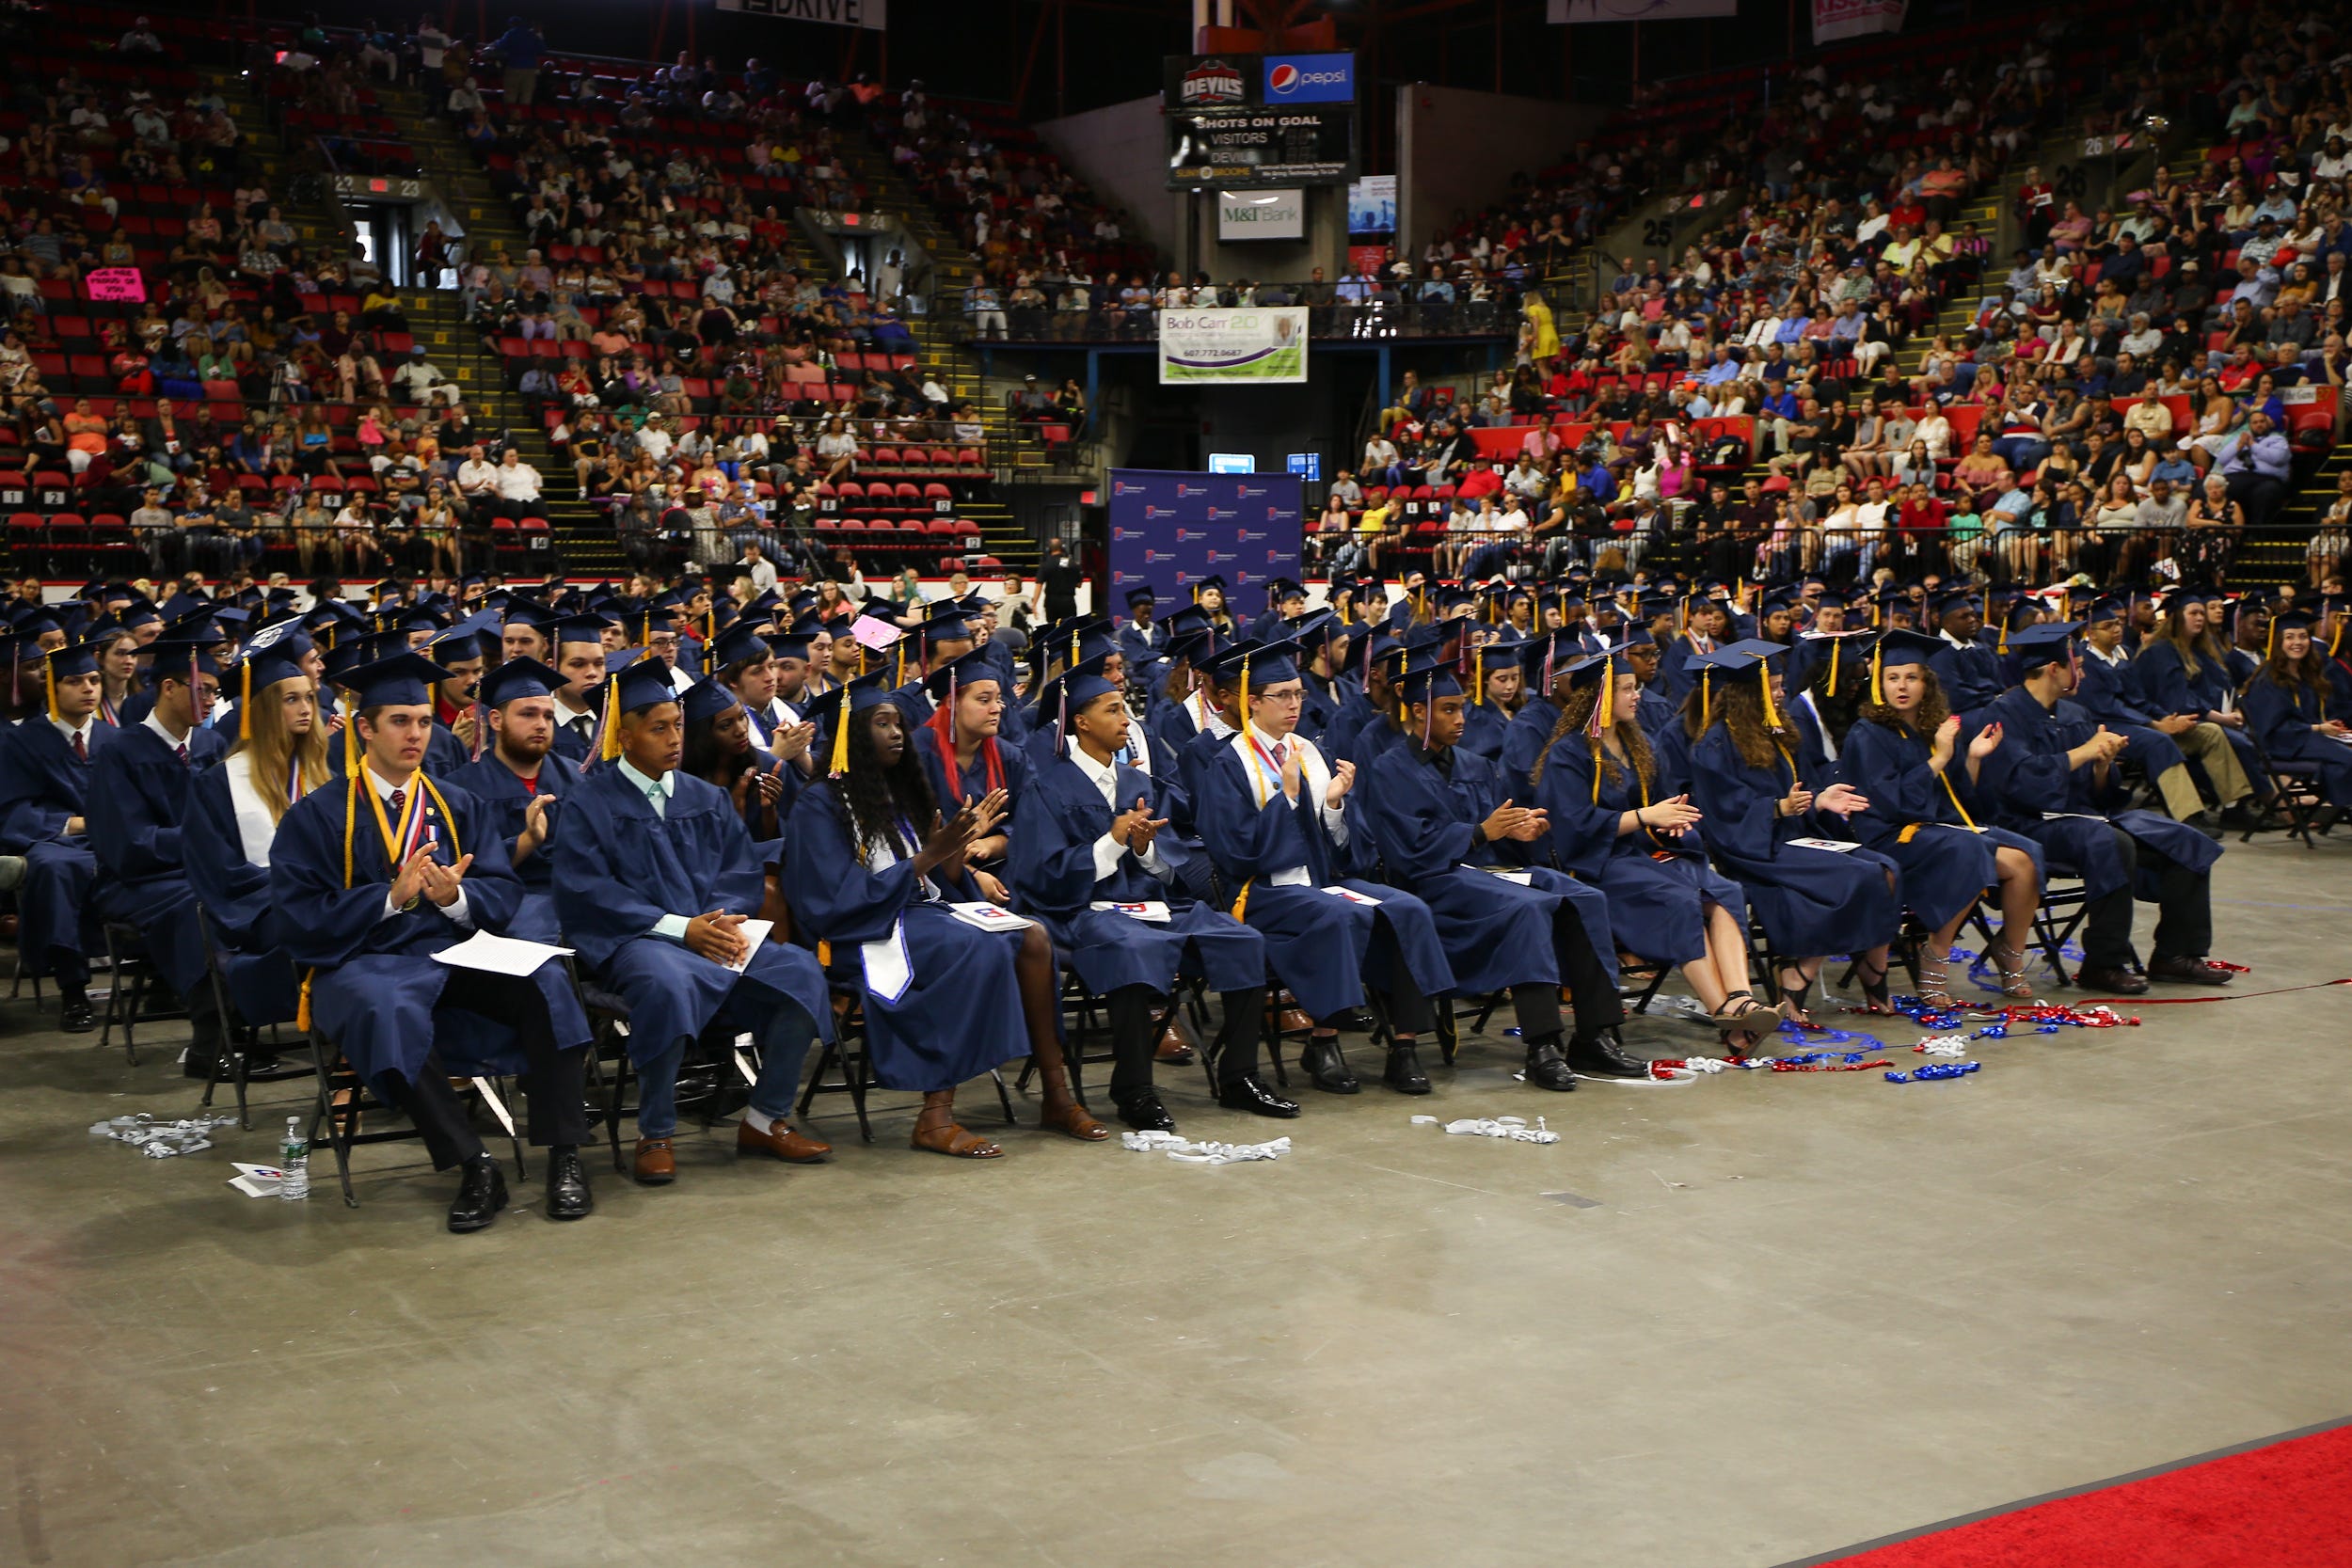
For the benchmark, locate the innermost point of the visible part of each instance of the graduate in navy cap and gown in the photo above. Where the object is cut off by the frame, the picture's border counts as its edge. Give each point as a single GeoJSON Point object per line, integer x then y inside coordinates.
{"type": "Point", "coordinates": [2160, 743]}
{"type": "Point", "coordinates": [1092, 860]}
{"type": "Point", "coordinates": [1285, 600]}
{"type": "Point", "coordinates": [1491, 682]}
{"type": "Point", "coordinates": [1774, 833]}
{"type": "Point", "coordinates": [1966, 667]}
{"type": "Point", "coordinates": [876, 877]}
{"type": "Point", "coordinates": [720, 751]}
{"type": "Point", "coordinates": [2286, 709]}
{"type": "Point", "coordinates": [1921, 771]}
{"type": "Point", "coordinates": [1614, 824]}
{"type": "Point", "coordinates": [461, 730]}
{"type": "Point", "coordinates": [2053, 779]}
{"type": "Point", "coordinates": [1143, 639]}
{"type": "Point", "coordinates": [518, 780]}
{"type": "Point", "coordinates": [1443, 827]}
{"type": "Point", "coordinates": [656, 878]}
{"type": "Point", "coordinates": [1544, 663]}
{"type": "Point", "coordinates": [372, 877]}
{"type": "Point", "coordinates": [942, 638]}
{"type": "Point", "coordinates": [2184, 668]}
{"type": "Point", "coordinates": [966, 760]}
{"type": "Point", "coordinates": [278, 756]}
{"type": "Point", "coordinates": [579, 654]}
{"type": "Point", "coordinates": [45, 765]}
{"type": "Point", "coordinates": [1277, 821]}
{"type": "Point", "coordinates": [137, 807]}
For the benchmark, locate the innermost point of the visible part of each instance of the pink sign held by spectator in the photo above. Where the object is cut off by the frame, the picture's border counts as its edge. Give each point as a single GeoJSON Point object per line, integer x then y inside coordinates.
{"type": "Point", "coordinates": [117, 283]}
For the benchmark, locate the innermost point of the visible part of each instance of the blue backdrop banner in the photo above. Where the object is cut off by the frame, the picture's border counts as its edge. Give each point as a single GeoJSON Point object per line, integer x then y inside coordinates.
{"type": "Point", "coordinates": [1172, 530]}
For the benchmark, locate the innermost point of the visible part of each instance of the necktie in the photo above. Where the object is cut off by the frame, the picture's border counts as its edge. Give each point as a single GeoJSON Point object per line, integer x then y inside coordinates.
{"type": "Point", "coordinates": [399, 802]}
{"type": "Point", "coordinates": [183, 750]}
{"type": "Point", "coordinates": [81, 749]}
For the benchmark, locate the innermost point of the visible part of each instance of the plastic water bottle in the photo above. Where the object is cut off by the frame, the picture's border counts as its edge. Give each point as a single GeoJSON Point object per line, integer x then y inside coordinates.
{"type": "Point", "coordinates": [293, 1162]}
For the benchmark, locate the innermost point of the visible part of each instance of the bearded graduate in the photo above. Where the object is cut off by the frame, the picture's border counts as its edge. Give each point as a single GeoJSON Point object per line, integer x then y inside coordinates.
{"type": "Point", "coordinates": [656, 881]}
{"type": "Point", "coordinates": [1274, 817]}
{"type": "Point", "coordinates": [518, 782]}
{"type": "Point", "coordinates": [1442, 827]}
{"type": "Point", "coordinates": [875, 878]}
{"type": "Point", "coordinates": [1817, 894]}
{"type": "Point", "coordinates": [1924, 776]}
{"type": "Point", "coordinates": [373, 875]}
{"type": "Point", "coordinates": [1615, 825]}
{"type": "Point", "coordinates": [1092, 862]}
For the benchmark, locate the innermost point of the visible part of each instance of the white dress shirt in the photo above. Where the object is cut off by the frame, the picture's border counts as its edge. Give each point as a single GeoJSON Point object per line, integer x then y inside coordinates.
{"type": "Point", "coordinates": [1108, 850]}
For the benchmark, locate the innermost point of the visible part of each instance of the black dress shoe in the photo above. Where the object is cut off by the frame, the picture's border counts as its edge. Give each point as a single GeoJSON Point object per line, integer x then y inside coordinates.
{"type": "Point", "coordinates": [77, 1018]}
{"type": "Point", "coordinates": [2121, 982]}
{"type": "Point", "coordinates": [1546, 1069]}
{"type": "Point", "coordinates": [1602, 1056]}
{"type": "Point", "coordinates": [2184, 970]}
{"type": "Point", "coordinates": [1403, 1072]}
{"type": "Point", "coordinates": [1145, 1114]}
{"type": "Point", "coordinates": [261, 1067]}
{"type": "Point", "coordinates": [568, 1197]}
{"type": "Point", "coordinates": [1248, 1094]}
{"type": "Point", "coordinates": [1326, 1069]}
{"type": "Point", "coordinates": [480, 1196]}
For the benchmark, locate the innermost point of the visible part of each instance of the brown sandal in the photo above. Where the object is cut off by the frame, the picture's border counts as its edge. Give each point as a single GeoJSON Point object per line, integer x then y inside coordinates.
{"type": "Point", "coordinates": [955, 1141]}
{"type": "Point", "coordinates": [1068, 1116]}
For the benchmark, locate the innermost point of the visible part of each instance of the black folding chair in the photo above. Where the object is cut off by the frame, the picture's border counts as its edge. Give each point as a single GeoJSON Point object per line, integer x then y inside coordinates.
{"type": "Point", "coordinates": [345, 1101]}
{"type": "Point", "coordinates": [130, 978]}
{"type": "Point", "coordinates": [848, 1056]}
{"type": "Point", "coordinates": [2294, 802]}
{"type": "Point", "coordinates": [239, 1036]}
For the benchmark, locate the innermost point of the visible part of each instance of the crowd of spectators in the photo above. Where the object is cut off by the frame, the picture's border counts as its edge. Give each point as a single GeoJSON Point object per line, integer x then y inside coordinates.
{"type": "Point", "coordinates": [2178, 346]}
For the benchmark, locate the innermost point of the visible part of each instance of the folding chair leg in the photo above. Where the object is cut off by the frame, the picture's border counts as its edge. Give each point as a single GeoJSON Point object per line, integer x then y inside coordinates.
{"type": "Point", "coordinates": [622, 1072]}
{"type": "Point", "coordinates": [488, 1088]}
{"type": "Point", "coordinates": [1003, 1097]}
{"type": "Point", "coordinates": [337, 1135]}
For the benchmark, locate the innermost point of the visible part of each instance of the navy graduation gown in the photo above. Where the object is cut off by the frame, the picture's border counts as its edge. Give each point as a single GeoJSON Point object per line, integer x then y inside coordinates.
{"type": "Point", "coordinates": [960, 1014]}
{"type": "Point", "coordinates": [1656, 712]}
{"type": "Point", "coordinates": [1325, 947]}
{"type": "Point", "coordinates": [915, 700]}
{"type": "Point", "coordinates": [1322, 705]}
{"type": "Point", "coordinates": [376, 989]}
{"type": "Point", "coordinates": [1054, 874]}
{"type": "Point", "coordinates": [2107, 693]}
{"type": "Point", "coordinates": [1013, 759]}
{"type": "Point", "coordinates": [138, 803]}
{"type": "Point", "coordinates": [1497, 933]}
{"type": "Point", "coordinates": [570, 743]}
{"type": "Point", "coordinates": [1483, 726]}
{"type": "Point", "coordinates": [2281, 718]}
{"type": "Point", "coordinates": [2035, 794]}
{"type": "Point", "coordinates": [1971, 678]}
{"type": "Point", "coordinates": [1915, 823]}
{"type": "Point", "coordinates": [1525, 742]}
{"type": "Point", "coordinates": [1145, 649]}
{"type": "Point", "coordinates": [504, 802]}
{"type": "Point", "coordinates": [1674, 677]}
{"type": "Point", "coordinates": [2166, 685]}
{"type": "Point", "coordinates": [623, 868]}
{"type": "Point", "coordinates": [1657, 886]}
{"type": "Point", "coordinates": [1812, 902]}
{"type": "Point", "coordinates": [44, 784]}
{"type": "Point", "coordinates": [234, 891]}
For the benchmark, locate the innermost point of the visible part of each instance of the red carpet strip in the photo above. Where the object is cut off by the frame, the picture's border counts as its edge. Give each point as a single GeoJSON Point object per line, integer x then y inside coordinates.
{"type": "Point", "coordinates": [2279, 1502]}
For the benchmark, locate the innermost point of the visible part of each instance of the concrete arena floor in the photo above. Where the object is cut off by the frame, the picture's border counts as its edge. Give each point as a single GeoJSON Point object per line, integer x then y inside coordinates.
{"type": "Point", "coordinates": [1735, 1323]}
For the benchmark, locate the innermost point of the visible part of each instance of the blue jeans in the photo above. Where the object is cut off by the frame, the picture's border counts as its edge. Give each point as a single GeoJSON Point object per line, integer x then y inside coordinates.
{"type": "Point", "coordinates": [784, 1036]}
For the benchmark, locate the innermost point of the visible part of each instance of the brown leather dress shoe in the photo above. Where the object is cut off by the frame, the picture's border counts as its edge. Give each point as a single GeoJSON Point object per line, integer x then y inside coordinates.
{"type": "Point", "coordinates": [2184, 970]}
{"type": "Point", "coordinates": [655, 1165]}
{"type": "Point", "coordinates": [781, 1142]}
{"type": "Point", "coordinates": [2121, 982]}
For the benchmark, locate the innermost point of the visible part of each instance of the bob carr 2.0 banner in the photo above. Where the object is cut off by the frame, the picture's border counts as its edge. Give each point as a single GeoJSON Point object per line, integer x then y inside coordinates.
{"type": "Point", "coordinates": [1256, 344]}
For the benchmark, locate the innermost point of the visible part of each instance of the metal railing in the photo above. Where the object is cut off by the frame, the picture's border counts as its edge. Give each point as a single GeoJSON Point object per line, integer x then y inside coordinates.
{"type": "Point", "coordinates": [1335, 312]}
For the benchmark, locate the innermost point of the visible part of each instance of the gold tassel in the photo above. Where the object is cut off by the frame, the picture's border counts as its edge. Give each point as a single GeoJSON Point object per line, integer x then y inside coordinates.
{"type": "Point", "coordinates": [244, 702]}
{"type": "Point", "coordinates": [1764, 681]}
{"type": "Point", "coordinates": [609, 744]}
{"type": "Point", "coordinates": [1836, 643]}
{"type": "Point", "coordinates": [839, 763]}
{"type": "Point", "coordinates": [1878, 686]}
{"type": "Point", "coordinates": [1707, 689]}
{"type": "Point", "coordinates": [49, 676]}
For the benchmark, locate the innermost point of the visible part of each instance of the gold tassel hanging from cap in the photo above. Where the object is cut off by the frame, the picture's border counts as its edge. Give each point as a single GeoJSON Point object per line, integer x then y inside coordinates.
{"type": "Point", "coordinates": [838, 763]}
{"type": "Point", "coordinates": [1835, 643]}
{"type": "Point", "coordinates": [1707, 692]}
{"type": "Point", "coordinates": [1878, 683]}
{"type": "Point", "coordinates": [1764, 684]}
{"type": "Point", "coordinates": [608, 743]}
{"type": "Point", "coordinates": [49, 677]}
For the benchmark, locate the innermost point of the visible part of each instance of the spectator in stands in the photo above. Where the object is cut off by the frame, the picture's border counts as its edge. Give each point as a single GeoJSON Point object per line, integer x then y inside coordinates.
{"type": "Point", "coordinates": [520, 49]}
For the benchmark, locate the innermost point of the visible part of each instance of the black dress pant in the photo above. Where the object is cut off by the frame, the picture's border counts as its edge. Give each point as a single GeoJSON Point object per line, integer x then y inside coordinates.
{"type": "Point", "coordinates": [2183, 910]}
{"type": "Point", "coordinates": [1134, 1043]}
{"type": "Point", "coordinates": [553, 1080]}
